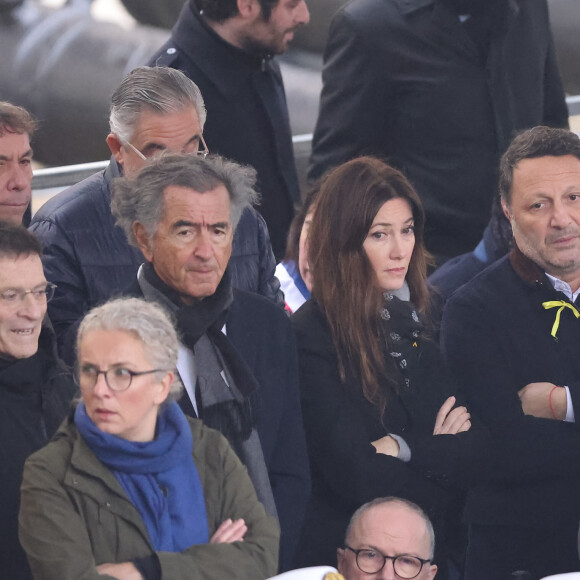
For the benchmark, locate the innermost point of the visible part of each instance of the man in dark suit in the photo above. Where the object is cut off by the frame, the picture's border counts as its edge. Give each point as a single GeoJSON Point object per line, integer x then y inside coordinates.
{"type": "Point", "coordinates": [226, 48]}
{"type": "Point", "coordinates": [438, 87]}
{"type": "Point", "coordinates": [511, 336]}
{"type": "Point", "coordinates": [237, 357]}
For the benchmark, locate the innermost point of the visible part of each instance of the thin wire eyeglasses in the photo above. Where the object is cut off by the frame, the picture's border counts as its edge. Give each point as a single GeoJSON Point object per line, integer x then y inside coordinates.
{"type": "Point", "coordinates": [117, 378]}
{"type": "Point", "coordinates": [372, 561]}
{"type": "Point", "coordinates": [40, 295]}
{"type": "Point", "coordinates": [203, 153]}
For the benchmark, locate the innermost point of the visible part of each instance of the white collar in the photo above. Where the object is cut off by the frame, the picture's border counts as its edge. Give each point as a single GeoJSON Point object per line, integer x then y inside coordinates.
{"type": "Point", "coordinates": [563, 287]}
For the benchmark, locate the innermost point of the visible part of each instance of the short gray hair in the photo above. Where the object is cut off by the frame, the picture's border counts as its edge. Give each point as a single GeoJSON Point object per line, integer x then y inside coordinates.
{"type": "Point", "coordinates": [159, 89]}
{"type": "Point", "coordinates": [148, 321]}
{"type": "Point", "coordinates": [141, 198]}
{"type": "Point", "coordinates": [393, 500]}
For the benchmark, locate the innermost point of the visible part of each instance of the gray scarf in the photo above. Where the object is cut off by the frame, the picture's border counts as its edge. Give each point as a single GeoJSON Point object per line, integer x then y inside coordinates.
{"type": "Point", "coordinates": [223, 405]}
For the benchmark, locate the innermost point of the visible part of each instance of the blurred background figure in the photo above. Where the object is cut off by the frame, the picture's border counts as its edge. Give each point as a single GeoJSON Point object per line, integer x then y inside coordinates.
{"type": "Point", "coordinates": [226, 47]}
{"type": "Point", "coordinates": [130, 488]}
{"type": "Point", "coordinates": [438, 88]}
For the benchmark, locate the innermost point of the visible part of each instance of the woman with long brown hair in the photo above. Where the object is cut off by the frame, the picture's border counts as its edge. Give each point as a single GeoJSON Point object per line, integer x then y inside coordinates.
{"type": "Point", "coordinates": [376, 399]}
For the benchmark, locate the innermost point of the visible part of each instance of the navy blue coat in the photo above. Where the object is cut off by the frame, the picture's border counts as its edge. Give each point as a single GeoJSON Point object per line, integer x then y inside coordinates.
{"type": "Point", "coordinates": [88, 257]}
{"type": "Point", "coordinates": [497, 338]}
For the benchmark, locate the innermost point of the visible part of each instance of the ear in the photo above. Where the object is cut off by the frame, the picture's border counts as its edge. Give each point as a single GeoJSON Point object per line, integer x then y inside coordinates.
{"type": "Point", "coordinates": [432, 572]}
{"type": "Point", "coordinates": [165, 386]}
{"type": "Point", "coordinates": [143, 241]}
{"type": "Point", "coordinates": [249, 9]}
{"type": "Point", "coordinates": [116, 148]}
{"type": "Point", "coordinates": [340, 560]}
{"type": "Point", "coordinates": [505, 208]}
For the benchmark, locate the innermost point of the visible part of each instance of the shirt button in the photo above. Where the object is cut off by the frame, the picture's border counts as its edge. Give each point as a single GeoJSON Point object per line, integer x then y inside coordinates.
{"type": "Point", "coordinates": [171, 51]}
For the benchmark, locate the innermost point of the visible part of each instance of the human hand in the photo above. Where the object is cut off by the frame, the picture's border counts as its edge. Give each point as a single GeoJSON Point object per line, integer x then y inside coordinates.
{"type": "Point", "coordinates": [450, 421]}
{"type": "Point", "coordinates": [387, 446]}
{"type": "Point", "coordinates": [535, 399]}
{"type": "Point", "coordinates": [229, 532]}
{"type": "Point", "coordinates": [123, 571]}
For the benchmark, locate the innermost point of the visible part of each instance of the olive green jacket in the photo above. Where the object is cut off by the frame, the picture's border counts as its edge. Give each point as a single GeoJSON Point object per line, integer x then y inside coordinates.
{"type": "Point", "coordinates": [75, 515]}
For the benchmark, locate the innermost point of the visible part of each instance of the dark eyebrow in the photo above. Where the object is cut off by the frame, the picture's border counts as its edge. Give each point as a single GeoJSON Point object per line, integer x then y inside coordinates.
{"type": "Point", "coordinates": [151, 146]}
{"type": "Point", "coordinates": [184, 224]}
{"type": "Point", "coordinates": [187, 224]}
{"type": "Point", "coordinates": [159, 146]}
{"type": "Point", "coordinates": [25, 154]}
{"type": "Point", "coordinates": [411, 219]}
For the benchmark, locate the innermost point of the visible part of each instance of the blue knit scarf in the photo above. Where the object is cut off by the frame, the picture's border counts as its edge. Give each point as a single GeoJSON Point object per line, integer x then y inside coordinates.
{"type": "Point", "coordinates": [159, 477]}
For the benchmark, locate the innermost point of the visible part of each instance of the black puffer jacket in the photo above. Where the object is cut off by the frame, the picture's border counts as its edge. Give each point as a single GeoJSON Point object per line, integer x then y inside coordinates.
{"type": "Point", "coordinates": [35, 394]}
{"type": "Point", "coordinates": [90, 260]}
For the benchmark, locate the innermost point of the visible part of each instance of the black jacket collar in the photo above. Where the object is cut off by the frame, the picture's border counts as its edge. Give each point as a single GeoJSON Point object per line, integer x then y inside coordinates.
{"type": "Point", "coordinates": [192, 35]}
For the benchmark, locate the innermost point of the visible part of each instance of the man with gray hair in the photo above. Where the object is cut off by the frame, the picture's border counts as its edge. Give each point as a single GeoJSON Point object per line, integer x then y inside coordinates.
{"type": "Point", "coordinates": [16, 129]}
{"type": "Point", "coordinates": [238, 356]}
{"type": "Point", "coordinates": [388, 538]}
{"type": "Point", "coordinates": [155, 109]}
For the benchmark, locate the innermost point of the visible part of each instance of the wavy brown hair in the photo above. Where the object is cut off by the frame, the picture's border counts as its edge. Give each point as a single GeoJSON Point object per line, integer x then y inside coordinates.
{"type": "Point", "coordinates": [344, 282]}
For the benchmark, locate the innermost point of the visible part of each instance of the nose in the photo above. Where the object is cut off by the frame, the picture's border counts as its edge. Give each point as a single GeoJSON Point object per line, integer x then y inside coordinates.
{"type": "Point", "coordinates": [388, 571]}
{"type": "Point", "coordinates": [204, 247]}
{"type": "Point", "coordinates": [30, 308]}
{"type": "Point", "coordinates": [397, 248]}
{"type": "Point", "coordinates": [20, 177]}
{"type": "Point", "coordinates": [560, 217]}
{"type": "Point", "coordinates": [303, 14]}
{"type": "Point", "coordinates": [101, 389]}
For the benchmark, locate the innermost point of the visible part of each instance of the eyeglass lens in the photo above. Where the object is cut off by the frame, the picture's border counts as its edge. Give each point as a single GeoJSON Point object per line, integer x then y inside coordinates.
{"type": "Point", "coordinates": [371, 562]}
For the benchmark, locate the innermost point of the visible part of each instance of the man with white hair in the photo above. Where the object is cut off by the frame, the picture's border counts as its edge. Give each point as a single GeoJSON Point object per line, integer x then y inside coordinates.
{"type": "Point", "coordinates": [154, 110]}
{"type": "Point", "coordinates": [238, 354]}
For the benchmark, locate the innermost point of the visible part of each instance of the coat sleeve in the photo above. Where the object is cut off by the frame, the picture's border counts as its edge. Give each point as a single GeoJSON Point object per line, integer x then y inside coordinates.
{"type": "Point", "coordinates": [257, 556]}
{"type": "Point", "coordinates": [57, 534]}
{"type": "Point", "coordinates": [51, 532]}
{"type": "Point", "coordinates": [352, 93]}
{"type": "Point", "coordinates": [555, 108]}
{"type": "Point", "coordinates": [339, 443]}
{"type": "Point", "coordinates": [528, 448]}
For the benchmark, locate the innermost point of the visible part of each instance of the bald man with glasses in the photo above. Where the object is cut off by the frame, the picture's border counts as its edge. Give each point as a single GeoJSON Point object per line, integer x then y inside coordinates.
{"type": "Point", "coordinates": [388, 539]}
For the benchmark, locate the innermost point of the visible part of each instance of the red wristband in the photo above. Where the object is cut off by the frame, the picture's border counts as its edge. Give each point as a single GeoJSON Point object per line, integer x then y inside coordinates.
{"type": "Point", "coordinates": [550, 400]}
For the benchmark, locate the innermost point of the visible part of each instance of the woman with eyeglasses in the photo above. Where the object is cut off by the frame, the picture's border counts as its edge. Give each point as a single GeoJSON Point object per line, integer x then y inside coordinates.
{"type": "Point", "coordinates": [130, 488]}
{"type": "Point", "coordinates": [377, 403]}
